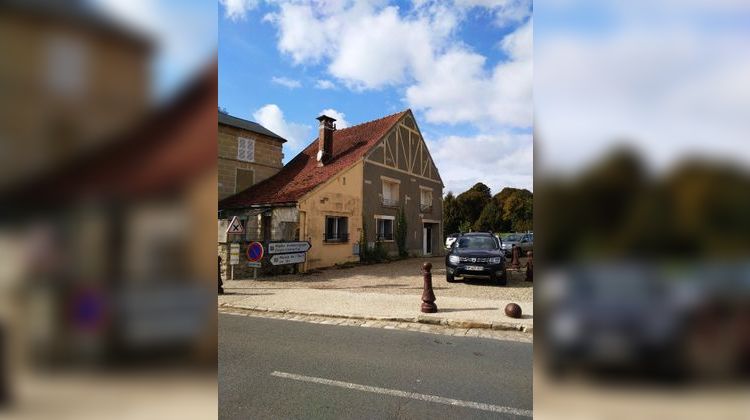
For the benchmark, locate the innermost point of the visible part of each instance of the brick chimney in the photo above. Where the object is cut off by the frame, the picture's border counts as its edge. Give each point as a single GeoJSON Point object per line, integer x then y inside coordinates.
{"type": "Point", "coordinates": [325, 139]}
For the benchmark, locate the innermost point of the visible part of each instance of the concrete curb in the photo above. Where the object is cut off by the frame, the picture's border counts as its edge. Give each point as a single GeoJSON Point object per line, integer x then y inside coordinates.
{"type": "Point", "coordinates": [420, 319]}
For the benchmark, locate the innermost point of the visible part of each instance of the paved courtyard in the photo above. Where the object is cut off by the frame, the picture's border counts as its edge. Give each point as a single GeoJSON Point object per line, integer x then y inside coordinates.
{"type": "Point", "coordinates": [398, 278]}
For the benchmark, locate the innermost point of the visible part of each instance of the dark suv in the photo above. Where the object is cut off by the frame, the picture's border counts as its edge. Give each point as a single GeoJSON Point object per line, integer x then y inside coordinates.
{"type": "Point", "coordinates": [476, 254]}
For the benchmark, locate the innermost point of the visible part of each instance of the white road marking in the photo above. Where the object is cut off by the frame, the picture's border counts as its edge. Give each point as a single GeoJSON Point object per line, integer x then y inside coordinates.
{"type": "Point", "coordinates": [405, 394]}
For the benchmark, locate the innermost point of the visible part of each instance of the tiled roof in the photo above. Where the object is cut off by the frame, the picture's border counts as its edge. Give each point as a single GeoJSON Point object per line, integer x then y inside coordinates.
{"type": "Point", "coordinates": [302, 173]}
{"type": "Point", "coordinates": [247, 125]}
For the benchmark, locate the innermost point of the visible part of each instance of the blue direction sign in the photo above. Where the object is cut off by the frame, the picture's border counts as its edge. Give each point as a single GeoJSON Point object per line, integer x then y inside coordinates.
{"type": "Point", "coordinates": [254, 251]}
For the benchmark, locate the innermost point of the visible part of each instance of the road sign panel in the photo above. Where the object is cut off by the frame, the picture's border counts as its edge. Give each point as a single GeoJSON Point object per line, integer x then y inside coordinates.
{"type": "Point", "coordinates": [287, 247]}
{"type": "Point", "coordinates": [281, 259]}
{"type": "Point", "coordinates": [254, 251]}
{"type": "Point", "coordinates": [254, 264]}
{"type": "Point", "coordinates": [234, 254]}
{"type": "Point", "coordinates": [235, 226]}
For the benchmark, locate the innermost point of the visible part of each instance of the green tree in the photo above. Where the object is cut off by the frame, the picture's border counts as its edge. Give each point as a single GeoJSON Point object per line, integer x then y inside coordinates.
{"type": "Point", "coordinates": [364, 252]}
{"type": "Point", "coordinates": [451, 215]}
{"type": "Point", "coordinates": [518, 210]}
{"type": "Point", "coordinates": [490, 219]}
{"type": "Point", "coordinates": [401, 233]}
{"type": "Point", "coordinates": [472, 202]}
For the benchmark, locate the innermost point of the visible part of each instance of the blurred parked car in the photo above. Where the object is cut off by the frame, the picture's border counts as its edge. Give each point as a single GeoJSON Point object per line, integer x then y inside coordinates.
{"type": "Point", "coordinates": [476, 254]}
{"type": "Point", "coordinates": [525, 241]}
{"type": "Point", "coordinates": [639, 318]}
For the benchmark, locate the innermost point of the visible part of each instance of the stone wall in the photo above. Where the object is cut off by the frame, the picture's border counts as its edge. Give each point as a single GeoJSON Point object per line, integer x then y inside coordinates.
{"type": "Point", "coordinates": [284, 227]}
{"type": "Point", "coordinates": [268, 157]}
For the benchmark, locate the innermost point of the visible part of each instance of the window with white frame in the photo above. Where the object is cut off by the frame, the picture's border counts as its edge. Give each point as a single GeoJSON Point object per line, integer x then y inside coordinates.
{"type": "Point", "coordinates": [390, 193]}
{"type": "Point", "coordinates": [246, 149]}
{"type": "Point", "coordinates": [384, 228]}
{"type": "Point", "coordinates": [337, 229]}
{"type": "Point", "coordinates": [425, 199]}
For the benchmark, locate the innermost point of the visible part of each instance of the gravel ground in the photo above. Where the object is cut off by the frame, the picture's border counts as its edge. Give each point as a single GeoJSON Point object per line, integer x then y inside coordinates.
{"type": "Point", "coordinates": [399, 277]}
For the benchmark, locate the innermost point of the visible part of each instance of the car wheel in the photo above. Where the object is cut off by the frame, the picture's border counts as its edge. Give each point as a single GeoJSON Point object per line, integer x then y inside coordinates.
{"type": "Point", "coordinates": [450, 278]}
{"type": "Point", "coordinates": [501, 280]}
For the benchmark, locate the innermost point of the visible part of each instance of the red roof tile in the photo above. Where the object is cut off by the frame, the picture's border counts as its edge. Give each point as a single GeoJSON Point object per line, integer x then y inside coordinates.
{"type": "Point", "coordinates": [302, 174]}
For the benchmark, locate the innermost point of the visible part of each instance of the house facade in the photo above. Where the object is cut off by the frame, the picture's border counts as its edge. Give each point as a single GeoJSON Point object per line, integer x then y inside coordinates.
{"type": "Point", "coordinates": [248, 153]}
{"type": "Point", "coordinates": [345, 181]}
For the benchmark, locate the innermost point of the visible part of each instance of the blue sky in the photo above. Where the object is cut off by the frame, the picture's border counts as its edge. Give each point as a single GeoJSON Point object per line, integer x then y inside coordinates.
{"type": "Point", "coordinates": [463, 66]}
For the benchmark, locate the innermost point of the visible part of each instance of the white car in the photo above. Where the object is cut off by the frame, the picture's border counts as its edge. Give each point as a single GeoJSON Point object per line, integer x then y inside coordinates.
{"type": "Point", "coordinates": [450, 239]}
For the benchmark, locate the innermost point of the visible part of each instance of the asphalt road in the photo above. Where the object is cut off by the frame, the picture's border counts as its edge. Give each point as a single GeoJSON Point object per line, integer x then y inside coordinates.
{"type": "Point", "coordinates": [270, 368]}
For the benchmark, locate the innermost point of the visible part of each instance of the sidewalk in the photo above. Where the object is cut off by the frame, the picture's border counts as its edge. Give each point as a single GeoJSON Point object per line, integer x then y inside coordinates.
{"type": "Point", "coordinates": [452, 311]}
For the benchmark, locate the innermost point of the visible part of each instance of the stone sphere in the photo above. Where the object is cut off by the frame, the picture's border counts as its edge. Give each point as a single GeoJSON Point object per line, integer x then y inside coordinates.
{"type": "Point", "coordinates": [513, 310]}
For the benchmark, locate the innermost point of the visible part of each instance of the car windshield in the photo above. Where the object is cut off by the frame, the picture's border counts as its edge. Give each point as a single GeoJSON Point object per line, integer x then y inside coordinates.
{"type": "Point", "coordinates": [477, 242]}
{"type": "Point", "coordinates": [512, 238]}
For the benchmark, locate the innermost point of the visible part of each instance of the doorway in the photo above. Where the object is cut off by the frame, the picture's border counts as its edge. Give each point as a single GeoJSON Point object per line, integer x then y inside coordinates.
{"type": "Point", "coordinates": [427, 239]}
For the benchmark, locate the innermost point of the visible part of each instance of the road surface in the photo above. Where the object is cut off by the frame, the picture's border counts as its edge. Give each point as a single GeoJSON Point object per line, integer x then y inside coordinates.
{"type": "Point", "coordinates": [270, 368]}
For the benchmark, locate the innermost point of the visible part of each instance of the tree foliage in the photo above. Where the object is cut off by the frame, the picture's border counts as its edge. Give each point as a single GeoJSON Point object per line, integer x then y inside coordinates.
{"type": "Point", "coordinates": [451, 215]}
{"type": "Point", "coordinates": [401, 230]}
{"type": "Point", "coordinates": [512, 209]}
{"type": "Point", "coordinates": [472, 202]}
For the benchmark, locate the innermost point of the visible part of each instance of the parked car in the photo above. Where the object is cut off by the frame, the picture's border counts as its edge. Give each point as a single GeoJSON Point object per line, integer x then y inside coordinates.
{"type": "Point", "coordinates": [476, 254]}
{"type": "Point", "coordinates": [525, 241]}
{"type": "Point", "coordinates": [450, 239]}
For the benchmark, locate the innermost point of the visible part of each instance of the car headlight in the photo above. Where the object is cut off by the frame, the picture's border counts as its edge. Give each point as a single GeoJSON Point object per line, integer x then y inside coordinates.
{"type": "Point", "coordinates": [496, 260]}
{"type": "Point", "coordinates": [454, 259]}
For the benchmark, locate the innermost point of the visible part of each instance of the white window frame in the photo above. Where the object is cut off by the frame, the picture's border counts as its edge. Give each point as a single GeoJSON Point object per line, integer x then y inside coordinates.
{"type": "Point", "coordinates": [378, 218]}
{"type": "Point", "coordinates": [246, 152]}
{"type": "Point", "coordinates": [422, 191]}
{"type": "Point", "coordinates": [336, 234]}
{"type": "Point", "coordinates": [390, 189]}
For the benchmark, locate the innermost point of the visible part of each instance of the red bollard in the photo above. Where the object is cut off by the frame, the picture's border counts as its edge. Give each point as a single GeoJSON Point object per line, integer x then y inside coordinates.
{"type": "Point", "coordinates": [515, 253]}
{"type": "Point", "coordinates": [530, 266]}
{"type": "Point", "coordinates": [428, 296]}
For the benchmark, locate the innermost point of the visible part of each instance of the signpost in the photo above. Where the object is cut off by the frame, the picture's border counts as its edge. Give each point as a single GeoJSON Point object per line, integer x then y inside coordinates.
{"type": "Point", "coordinates": [234, 257]}
{"type": "Point", "coordinates": [288, 247]}
{"type": "Point", "coordinates": [281, 259]}
{"type": "Point", "coordinates": [234, 230]}
{"type": "Point", "coordinates": [235, 226]}
{"type": "Point", "coordinates": [254, 255]}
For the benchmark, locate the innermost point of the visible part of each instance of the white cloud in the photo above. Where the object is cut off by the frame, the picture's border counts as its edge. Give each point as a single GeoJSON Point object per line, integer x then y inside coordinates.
{"type": "Point", "coordinates": [341, 122]}
{"type": "Point", "coordinates": [457, 88]}
{"type": "Point", "coordinates": [445, 79]}
{"type": "Point", "coordinates": [498, 160]}
{"type": "Point", "coordinates": [284, 81]}
{"type": "Point", "coordinates": [237, 9]}
{"type": "Point", "coordinates": [370, 45]}
{"type": "Point", "coordinates": [325, 84]}
{"type": "Point", "coordinates": [669, 86]}
{"type": "Point", "coordinates": [505, 11]}
{"type": "Point", "coordinates": [271, 117]}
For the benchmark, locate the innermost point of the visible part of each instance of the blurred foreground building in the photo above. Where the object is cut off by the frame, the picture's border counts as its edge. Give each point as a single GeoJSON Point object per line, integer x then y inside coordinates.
{"type": "Point", "coordinates": [71, 78]}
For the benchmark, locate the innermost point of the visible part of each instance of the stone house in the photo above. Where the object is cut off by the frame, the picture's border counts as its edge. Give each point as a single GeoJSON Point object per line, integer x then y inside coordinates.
{"type": "Point", "coordinates": [344, 181]}
{"type": "Point", "coordinates": [248, 153]}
